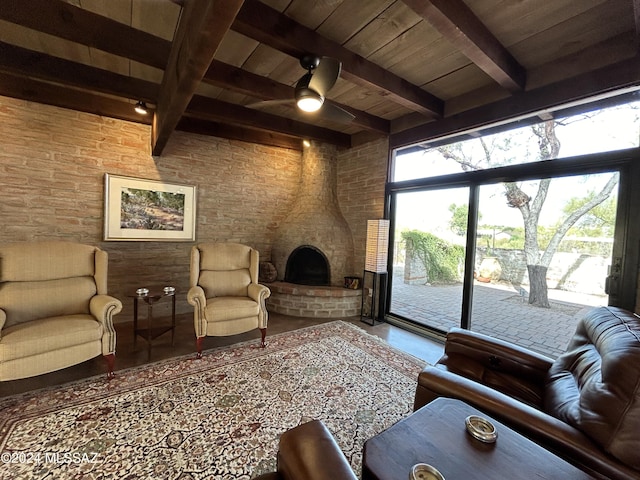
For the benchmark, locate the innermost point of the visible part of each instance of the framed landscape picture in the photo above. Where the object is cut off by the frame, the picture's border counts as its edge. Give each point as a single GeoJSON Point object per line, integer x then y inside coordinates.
{"type": "Point", "coordinates": [148, 210]}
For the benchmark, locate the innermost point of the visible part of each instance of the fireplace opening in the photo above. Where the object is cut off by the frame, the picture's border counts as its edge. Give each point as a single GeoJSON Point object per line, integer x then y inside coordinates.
{"type": "Point", "coordinates": [307, 266]}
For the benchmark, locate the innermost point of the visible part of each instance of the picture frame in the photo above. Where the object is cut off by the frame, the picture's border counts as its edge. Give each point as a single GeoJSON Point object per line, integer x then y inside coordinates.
{"type": "Point", "coordinates": [138, 209]}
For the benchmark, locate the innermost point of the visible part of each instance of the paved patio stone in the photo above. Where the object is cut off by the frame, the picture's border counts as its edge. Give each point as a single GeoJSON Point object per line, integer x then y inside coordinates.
{"type": "Point", "coordinates": [498, 310]}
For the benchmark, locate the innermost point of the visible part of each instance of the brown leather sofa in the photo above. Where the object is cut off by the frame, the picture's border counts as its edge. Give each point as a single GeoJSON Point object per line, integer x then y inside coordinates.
{"type": "Point", "coordinates": [584, 406]}
{"type": "Point", "coordinates": [309, 452]}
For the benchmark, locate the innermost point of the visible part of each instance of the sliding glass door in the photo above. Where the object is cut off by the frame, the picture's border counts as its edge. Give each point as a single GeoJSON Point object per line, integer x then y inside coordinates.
{"type": "Point", "coordinates": [541, 253]}
{"type": "Point", "coordinates": [540, 264]}
{"type": "Point", "coordinates": [430, 231]}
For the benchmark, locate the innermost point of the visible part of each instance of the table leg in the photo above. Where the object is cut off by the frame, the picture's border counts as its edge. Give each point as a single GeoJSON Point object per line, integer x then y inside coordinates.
{"type": "Point", "coordinates": [135, 322]}
{"type": "Point", "coordinates": [149, 315]}
{"type": "Point", "coordinates": [173, 319]}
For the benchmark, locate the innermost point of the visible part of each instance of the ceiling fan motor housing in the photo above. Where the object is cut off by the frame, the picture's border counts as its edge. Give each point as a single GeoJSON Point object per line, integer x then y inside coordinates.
{"type": "Point", "coordinates": [309, 61]}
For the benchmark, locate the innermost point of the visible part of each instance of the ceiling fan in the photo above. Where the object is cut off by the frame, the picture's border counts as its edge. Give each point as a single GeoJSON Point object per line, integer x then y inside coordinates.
{"type": "Point", "coordinates": [311, 89]}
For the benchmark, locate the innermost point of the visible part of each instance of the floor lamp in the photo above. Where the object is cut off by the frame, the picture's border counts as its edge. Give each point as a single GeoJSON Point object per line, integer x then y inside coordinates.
{"type": "Point", "coordinates": [375, 266]}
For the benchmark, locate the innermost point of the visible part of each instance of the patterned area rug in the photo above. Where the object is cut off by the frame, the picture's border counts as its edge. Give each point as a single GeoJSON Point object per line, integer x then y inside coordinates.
{"type": "Point", "coordinates": [215, 418]}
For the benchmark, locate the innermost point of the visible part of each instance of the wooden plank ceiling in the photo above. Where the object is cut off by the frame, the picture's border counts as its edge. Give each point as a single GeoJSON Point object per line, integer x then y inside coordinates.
{"type": "Point", "coordinates": [411, 69]}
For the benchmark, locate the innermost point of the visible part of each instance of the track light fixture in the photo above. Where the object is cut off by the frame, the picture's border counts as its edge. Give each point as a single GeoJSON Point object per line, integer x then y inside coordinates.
{"type": "Point", "coordinates": [141, 108]}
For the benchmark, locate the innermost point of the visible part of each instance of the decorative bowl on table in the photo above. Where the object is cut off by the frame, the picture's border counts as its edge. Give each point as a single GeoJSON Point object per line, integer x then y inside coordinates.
{"type": "Point", "coordinates": [424, 471]}
{"type": "Point", "coordinates": [481, 429]}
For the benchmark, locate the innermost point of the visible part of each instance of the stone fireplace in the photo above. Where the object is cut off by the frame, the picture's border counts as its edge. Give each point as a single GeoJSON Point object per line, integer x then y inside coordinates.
{"type": "Point", "coordinates": [315, 220]}
{"type": "Point", "coordinates": [313, 247]}
{"type": "Point", "coordinates": [307, 266]}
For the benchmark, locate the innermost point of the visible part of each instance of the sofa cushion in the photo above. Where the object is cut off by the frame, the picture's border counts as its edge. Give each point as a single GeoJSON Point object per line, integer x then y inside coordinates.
{"type": "Point", "coordinates": [26, 301]}
{"type": "Point", "coordinates": [49, 334]}
{"type": "Point", "coordinates": [595, 385]}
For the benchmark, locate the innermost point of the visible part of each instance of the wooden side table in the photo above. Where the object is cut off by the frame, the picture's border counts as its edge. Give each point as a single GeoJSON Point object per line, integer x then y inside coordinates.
{"type": "Point", "coordinates": [436, 435]}
{"type": "Point", "coordinates": [151, 332]}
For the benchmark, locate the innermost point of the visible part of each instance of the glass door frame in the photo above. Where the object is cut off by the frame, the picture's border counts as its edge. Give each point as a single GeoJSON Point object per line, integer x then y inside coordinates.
{"type": "Point", "coordinates": [627, 232]}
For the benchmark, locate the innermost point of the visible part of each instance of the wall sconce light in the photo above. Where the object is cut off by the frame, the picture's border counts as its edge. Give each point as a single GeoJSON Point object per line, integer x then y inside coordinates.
{"type": "Point", "coordinates": [306, 143]}
{"type": "Point", "coordinates": [375, 264]}
{"type": "Point", "coordinates": [141, 108]}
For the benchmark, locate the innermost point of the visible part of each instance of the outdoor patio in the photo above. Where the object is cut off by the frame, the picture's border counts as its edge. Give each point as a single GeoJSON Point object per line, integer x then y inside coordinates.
{"type": "Point", "coordinates": [498, 310]}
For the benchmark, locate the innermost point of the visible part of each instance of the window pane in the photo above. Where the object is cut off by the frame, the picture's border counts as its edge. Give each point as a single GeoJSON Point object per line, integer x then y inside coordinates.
{"type": "Point", "coordinates": [613, 128]}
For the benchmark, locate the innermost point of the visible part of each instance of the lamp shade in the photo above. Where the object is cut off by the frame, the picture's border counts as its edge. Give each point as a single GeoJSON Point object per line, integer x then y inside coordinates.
{"type": "Point", "coordinates": [377, 246]}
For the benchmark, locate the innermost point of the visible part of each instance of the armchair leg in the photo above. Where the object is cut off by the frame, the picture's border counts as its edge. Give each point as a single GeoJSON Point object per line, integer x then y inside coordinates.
{"type": "Point", "coordinates": [263, 332]}
{"type": "Point", "coordinates": [111, 363]}
{"type": "Point", "coordinates": [199, 347]}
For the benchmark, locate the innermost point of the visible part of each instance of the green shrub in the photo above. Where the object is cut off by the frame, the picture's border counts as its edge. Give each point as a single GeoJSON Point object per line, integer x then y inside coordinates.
{"type": "Point", "coordinates": [441, 259]}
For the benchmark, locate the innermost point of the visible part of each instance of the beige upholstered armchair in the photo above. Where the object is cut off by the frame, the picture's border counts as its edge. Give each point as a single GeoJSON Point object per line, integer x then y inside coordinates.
{"type": "Point", "coordinates": [54, 308]}
{"type": "Point", "coordinates": [225, 292]}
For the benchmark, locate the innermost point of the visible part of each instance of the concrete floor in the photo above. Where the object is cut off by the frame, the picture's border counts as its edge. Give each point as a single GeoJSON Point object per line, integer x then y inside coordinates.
{"type": "Point", "coordinates": [127, 356]}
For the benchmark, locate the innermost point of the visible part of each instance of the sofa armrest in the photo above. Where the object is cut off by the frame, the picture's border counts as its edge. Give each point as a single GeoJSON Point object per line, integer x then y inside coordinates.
{"type": "Point", "coordinates": [310, 452]}
{"type": "Point", "coordinates": [550, 432]}
{"type": "Point", "coordinates": [496, 354]}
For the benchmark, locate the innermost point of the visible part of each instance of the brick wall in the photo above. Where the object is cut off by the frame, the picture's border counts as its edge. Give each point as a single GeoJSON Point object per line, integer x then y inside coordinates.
{"type": "Point", "coordinates": [362, 173]}
{"type": "Point", "coordinates": [52, 166]}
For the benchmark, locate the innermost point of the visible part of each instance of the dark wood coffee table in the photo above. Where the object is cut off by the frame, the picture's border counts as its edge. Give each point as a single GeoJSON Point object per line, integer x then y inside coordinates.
{"type": "Point", "coordinates": [436, 435]}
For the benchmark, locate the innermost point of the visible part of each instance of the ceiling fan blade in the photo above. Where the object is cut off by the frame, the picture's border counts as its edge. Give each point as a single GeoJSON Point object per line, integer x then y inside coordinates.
{"type": "Point", "coordinates": [334, 113]}
{"type": "Point", "coordinates": [270, 103]}
{"type": "Point", "coordinates": [325, 75]}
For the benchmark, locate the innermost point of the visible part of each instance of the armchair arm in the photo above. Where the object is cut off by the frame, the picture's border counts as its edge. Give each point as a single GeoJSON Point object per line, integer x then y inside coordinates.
{"type": "Point", "coordinates": [310, 452]}
{"type": "Point", "coordinates": [196, 297]}
{"type": "Point", "coordinates": [260, 293]}
{"type": "Point", "coordinates": [103, 308]}
{"type": "Point", "coordinates": [495, 354]}
{"type": "Point", "coordinates": [3, 318]}
{"type": "Point", "coordinates": [552, 433]}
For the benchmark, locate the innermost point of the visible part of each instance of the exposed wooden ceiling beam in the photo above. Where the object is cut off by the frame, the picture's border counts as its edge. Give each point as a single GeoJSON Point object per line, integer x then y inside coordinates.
{"type": "Point", "coordinates": [265, 24]}
{"type": "Point", "coordinates": [624, 74]}
{"type": "Point", "coordinates": [59, 96]}
{"type": "Point", "coordinates": [247, 83]}
{"type": "Point", "coordinates": [154, 51]}
{"type": "Point", "coordinates": [201, 28]}
{"type": "Point", "coordinates": [15, 86]}
{"type": "Point", "coordinates": [64, 20]}
{"type": "Point", "coordinates": [458, 24]}
{"type": "Point", "coordinates": [206, 108]}
{"type": "Point", "coordinates": [234, 132]}
{"type": "Point", "coordinates": [20, 61]}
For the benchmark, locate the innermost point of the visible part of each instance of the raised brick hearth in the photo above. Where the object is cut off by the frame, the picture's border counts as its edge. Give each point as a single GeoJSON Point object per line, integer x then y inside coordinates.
{"type": "Point", "coordinates": [313, 301]}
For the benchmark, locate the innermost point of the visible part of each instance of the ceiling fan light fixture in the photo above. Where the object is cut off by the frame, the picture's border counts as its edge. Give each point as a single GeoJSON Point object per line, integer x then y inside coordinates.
{"type": "Point", "coordinates": [141, 108]}
{"type": "Point", "coordinates": [308, 100]}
